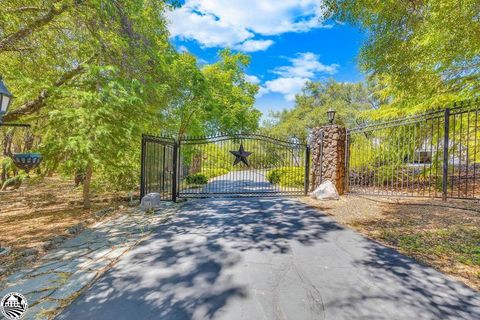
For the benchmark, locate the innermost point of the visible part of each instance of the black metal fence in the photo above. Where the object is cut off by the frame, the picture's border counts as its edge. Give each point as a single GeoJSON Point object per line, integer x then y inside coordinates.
{"type": "Point", "coordinates": [436, 154]}
{"type": "Point", "coordinates": [235, 165]}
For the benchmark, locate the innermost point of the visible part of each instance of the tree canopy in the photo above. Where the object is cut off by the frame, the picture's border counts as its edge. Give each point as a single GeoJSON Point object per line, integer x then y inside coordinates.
{"type": "Point", "coordinates": [351, 101]}
{"type": "Point", "coordinates": [421, 53]}
{"type": "Point", "coordinates": [93, 75]}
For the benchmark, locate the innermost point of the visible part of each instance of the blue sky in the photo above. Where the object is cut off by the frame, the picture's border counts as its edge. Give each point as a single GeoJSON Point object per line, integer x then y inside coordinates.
{"type": "Point", "coordinates": [287, 41]}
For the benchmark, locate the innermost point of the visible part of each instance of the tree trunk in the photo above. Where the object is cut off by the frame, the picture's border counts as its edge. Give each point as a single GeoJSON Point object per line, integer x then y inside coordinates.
{"type": "Point", "coordinates": [86, 186]}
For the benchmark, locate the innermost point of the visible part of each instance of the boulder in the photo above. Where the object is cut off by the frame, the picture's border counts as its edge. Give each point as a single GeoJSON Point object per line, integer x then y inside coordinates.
{"type": "Point", "coordinates": [325, 191]}
{"type": "Point", "coordinates": [29, 252]}
{"type": "Point", "coordinates": [54, 242]}
{"type": "Point", "coordinates": [151, 201]}
{"type": "Point", "coordinates": [79, 227]}
{"type": "Point", "coordinates": [102, 212]}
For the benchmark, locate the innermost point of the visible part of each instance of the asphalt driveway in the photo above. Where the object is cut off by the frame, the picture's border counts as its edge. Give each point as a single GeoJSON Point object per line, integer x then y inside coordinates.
{"type": "Point", "coordinates": [268, 259]}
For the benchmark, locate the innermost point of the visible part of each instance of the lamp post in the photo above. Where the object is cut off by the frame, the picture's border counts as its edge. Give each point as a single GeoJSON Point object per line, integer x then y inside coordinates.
{"type": "Point", "coordinates": [25, 161]}
{"type": "Point", "coordinates": [331, 115]}
{"type": "Point", "coordinates": [5, 99]}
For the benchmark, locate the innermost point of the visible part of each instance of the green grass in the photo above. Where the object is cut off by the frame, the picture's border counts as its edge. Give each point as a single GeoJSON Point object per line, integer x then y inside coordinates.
{"type": "Point", "coordinates": [457, 243]}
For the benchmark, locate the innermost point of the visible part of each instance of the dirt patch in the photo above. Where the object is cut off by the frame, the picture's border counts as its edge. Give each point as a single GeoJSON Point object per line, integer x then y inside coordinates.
{"type": "Point", "coordinates": [39, 211]}
{"type": "Point", "coordinates": [444, 235]}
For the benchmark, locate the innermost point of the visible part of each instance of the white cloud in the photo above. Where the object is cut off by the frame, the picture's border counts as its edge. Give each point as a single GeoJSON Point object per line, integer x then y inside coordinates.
{"type": "Point", "coordinates": [292, 78]}
{"type": "Point", "coordinates": [288, 87]}
{"type": "Point", "coordinates": [254, 45]}
{"type": "Point", "coordinates": [305, 65]}
{"type": "Point", "coordinates": [230, 23]}
{"type": "Point", "coordinates": [253, 79]}
{"type": "Point", "coordinates": [206, 29]}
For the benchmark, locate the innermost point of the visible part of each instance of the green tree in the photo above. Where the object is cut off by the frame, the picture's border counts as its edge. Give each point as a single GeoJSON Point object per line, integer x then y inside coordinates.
{"type": "Point", "coordinates": [421, 53]}
{"type": "Point", "coordinates": [231, 104]}
{"type": "Point", "coordinates": [216, 98]}
{"type": "Point", "coordinates": [92, 75]}
{"type": "Point", "coordinates": [78, 69]}
{"type": "Point", "coordinates": [350, 100]}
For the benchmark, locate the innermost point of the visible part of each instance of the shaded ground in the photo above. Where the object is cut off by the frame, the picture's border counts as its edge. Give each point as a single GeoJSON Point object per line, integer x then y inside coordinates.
{"type": "Point", "coordinates": [441, 234]}
{"type": "Point", "coordinates": [268, 259]}
{"type": "Point", "coordinates": [40, 211]}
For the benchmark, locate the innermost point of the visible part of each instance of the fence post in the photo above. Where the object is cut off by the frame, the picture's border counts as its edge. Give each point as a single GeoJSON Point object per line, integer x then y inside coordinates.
{"type": "Point", "coordinates": [445, 155]}
{"type": "Point", "coordinates": [307, 169]}
{"type": "Point", "coordinates": [328, 149]}
{"type": "Point", "coordinates": [142, 169]}
{"type": "Point", "coordinates": [175, 171]}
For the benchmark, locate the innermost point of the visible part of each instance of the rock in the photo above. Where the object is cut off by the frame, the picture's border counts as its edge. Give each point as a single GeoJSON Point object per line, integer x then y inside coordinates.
{"type": "Point", "coordinates": [74, 284]}
{"type": "Point", "coordinates": [47, 245]}
{"type": "Point", "coordinates": [54, 242]}
{"type": "Point", "coordinates": [37, 283]}
{"type": "Point", "coordinates": [326, 191]}
{"type": "Point", "coordinates": [133, 203]}
{"type": "Point", "coordinates": [79, 227]}
{"type": "Point", "coordinates": [5, 251]}
{"type": "Point", "coordinates": [40, 310]}
{"type": "Point", "coordinates": [151, 201]}
{"type": "Point", "coordinates": [59, 239]}
{"type": "Point", "coordinates": [102, 212]}
{"type": "Point", "coordinates": [2, 271]}
{"type": "Point", "coordinates": [49, 267]}
{"type": "Point", "coordinates": [29, 259]}
{"type": "Point", "coordinates": [34, 297]}
{"type": "Point", "coordinates": [29, 252]}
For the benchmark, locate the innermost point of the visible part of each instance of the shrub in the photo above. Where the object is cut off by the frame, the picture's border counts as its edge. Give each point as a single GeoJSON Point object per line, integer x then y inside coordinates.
{"type": "Point", "coordinates": [287, 176]}
{"type": "Point", "coordinates": [196, 178]}
{"type": "Point", "coordinates": [273, 176]}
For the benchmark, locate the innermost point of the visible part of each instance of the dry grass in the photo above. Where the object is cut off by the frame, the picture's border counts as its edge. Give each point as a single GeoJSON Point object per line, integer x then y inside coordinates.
{"type": "Point", "coordinates": [39, 211]}
{"type": "Point", "coordinates": [444, 235]}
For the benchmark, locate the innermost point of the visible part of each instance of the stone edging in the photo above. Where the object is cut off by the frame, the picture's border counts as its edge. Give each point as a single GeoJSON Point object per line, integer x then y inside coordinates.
{"type": "Point", "coordinates": [61, 275]}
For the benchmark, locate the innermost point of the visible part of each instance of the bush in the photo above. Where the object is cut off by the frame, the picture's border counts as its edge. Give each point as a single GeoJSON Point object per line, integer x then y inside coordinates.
{"type": "Point", "coordinates": [196, 178]}
{"type": "Point", "coordinates": [287, 176]}
{"type": "Point", "coordinates": [273, 176]}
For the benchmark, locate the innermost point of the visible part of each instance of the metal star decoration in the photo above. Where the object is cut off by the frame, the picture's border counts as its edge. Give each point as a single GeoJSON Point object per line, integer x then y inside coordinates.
{"type": "Point", "coordinates": [240, 155]}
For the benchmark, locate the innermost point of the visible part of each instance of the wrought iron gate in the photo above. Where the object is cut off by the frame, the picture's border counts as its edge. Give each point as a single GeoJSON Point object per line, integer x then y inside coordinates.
{"type": "Point", "coordinates": [157, 174]}
{"type": "Point", "coordinates": [238, 165]}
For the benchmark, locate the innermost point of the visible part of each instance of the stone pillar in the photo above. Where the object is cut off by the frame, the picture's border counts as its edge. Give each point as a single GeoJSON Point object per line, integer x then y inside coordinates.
{"type": "Point", "coordinates": [328, 156]}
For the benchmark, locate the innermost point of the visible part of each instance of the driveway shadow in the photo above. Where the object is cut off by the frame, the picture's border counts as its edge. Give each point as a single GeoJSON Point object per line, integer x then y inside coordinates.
{"type": "Point", "coordinates": [183, 270]}
{"type": "Point", "coordinates": [179, 273]}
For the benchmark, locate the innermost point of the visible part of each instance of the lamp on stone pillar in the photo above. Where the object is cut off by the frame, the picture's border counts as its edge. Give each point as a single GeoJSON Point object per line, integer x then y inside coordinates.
{"type": "Point", "coordinates": [331, 115]}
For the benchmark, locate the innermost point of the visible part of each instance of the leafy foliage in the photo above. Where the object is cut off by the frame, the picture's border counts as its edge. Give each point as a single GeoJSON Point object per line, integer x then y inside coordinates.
{"type": "Point", "coordinates": [419, 53]}
{"type": "Point", "coordinates": [350, 100]}
{"type": "Point", "coordinates": [196, 179]}
{"type": "Point", "coordinates": [92, 75]}
{"type": "Point", "coordinates": [287, 176]}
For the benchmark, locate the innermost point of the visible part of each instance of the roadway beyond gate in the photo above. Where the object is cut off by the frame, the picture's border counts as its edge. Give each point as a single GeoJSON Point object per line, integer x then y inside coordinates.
{"type": "Point", "coordinates": [268, 258]}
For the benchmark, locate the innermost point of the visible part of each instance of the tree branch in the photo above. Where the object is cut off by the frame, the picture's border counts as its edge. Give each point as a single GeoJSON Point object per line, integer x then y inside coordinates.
{"type": "Point", "coordinates": [26, 8]}
{"type": "Point", "coordinates": [39, 102]}
{"type": "Point", "coordinates": [9, 41]}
